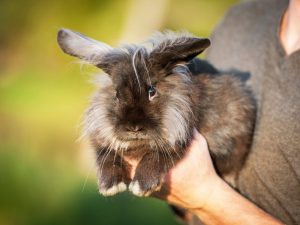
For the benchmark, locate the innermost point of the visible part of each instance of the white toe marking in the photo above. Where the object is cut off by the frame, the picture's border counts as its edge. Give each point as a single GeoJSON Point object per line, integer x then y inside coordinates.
{"type": "Point", "coordinates": [134, 187]}
{"type": "Point", "coordinates": [120, 187]}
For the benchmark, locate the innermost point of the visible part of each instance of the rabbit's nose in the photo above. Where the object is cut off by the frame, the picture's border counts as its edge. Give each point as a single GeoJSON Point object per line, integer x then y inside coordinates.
{"type": "Point", "coordinates": [133, 128]}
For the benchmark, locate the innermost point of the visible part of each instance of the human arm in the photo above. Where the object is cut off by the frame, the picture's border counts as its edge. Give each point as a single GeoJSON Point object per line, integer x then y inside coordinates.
{"type": "Point", "coordinates": [193, 184]}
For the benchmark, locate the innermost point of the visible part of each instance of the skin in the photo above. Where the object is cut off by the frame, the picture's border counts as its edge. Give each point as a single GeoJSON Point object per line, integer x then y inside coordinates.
{"type": "Point", "coordinates": [204, 193]}
{"type": "Point", "coordinates": [290, 28]}
{"type": "Point", "coordinates": [213, 201]}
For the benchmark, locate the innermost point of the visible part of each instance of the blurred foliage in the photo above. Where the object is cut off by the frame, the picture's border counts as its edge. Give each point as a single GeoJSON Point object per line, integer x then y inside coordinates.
{"type": "Point", "coordinates": [42, 97]}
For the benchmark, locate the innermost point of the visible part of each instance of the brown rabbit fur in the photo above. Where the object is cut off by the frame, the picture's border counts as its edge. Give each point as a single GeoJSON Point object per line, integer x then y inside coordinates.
{"type": "Point", "coordinates": [152, 102]}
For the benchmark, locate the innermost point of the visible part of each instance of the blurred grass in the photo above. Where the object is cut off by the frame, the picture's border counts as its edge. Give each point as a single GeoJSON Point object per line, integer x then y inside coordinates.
{"type": "Point", "coordinates": [42, 97]}
{"type": "Point", "coordinates": [36, 193]}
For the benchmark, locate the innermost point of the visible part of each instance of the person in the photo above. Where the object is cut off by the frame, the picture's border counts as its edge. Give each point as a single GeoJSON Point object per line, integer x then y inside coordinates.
{"type": "Point", "coordinates": [262, 38]}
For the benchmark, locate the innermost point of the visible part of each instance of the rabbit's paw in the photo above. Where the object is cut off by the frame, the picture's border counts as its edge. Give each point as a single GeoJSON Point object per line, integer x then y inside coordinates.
{"type": "Point", "coordinates": [145, 187]}
{"type": "Point", "coordinates": [111, 184]}
{"type": "Point", "coordinates": [109, 190]}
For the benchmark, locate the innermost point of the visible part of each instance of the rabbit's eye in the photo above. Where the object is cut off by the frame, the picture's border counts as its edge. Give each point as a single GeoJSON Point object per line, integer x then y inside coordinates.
{"type": "Point", "coordinates": [152, 93]}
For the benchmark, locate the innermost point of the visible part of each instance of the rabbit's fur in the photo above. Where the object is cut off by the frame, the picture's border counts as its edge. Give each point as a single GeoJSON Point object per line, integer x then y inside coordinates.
{"type": "Point", "coordinates": [157, 92]}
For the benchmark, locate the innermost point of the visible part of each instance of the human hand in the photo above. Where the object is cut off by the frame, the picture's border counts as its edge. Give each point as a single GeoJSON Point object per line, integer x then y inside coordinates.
{"type": "Point", "coordinates": [193, 184]}
{"type": "Point", "coordinates": [191, 181]}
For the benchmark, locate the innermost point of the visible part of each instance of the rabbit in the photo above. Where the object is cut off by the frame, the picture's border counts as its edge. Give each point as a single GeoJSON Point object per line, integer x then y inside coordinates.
{"type": "Point", "coordinates": [156, 93]}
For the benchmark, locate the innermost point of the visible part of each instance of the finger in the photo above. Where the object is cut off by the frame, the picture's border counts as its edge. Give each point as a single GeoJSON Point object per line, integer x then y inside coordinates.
{"type": "Point", "coordinates": [199, 139]}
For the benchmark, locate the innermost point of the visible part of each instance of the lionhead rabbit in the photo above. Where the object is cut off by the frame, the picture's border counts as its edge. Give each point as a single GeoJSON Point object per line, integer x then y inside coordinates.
{"type": "Point", "coordinates": [156, 94]}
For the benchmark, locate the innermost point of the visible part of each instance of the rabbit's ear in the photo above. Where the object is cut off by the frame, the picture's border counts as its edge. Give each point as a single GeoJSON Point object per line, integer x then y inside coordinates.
{"type": "Point", "coordinates": [78, 45]}
{"type": "Point", "coordinates": [179, 50]}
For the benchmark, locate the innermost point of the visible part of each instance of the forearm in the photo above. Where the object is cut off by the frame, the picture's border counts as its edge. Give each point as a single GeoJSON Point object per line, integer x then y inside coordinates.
{"type": "Point", "coordinates": [196, 187]}
{"type": "Point", "coordinates": [226, 206]}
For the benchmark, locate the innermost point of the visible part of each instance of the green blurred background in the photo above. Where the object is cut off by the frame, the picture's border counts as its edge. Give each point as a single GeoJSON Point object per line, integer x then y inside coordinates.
{"type": "Point", "coordinates": [46, 176]}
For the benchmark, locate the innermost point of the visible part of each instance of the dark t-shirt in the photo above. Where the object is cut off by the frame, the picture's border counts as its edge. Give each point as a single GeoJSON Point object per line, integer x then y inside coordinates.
{"type": "Point", "coordinates": [247, 40]}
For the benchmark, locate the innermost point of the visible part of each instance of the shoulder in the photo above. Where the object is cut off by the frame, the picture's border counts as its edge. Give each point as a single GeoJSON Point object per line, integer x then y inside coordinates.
{"type": "Point", "coordinates": [246, 14]}
{"type": "Point", "coordinates": [242, 31]}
